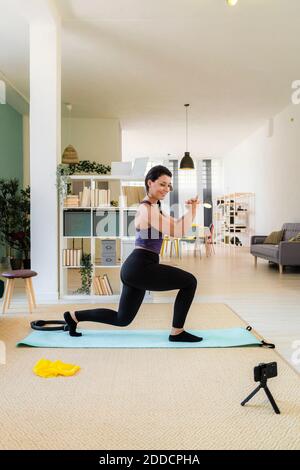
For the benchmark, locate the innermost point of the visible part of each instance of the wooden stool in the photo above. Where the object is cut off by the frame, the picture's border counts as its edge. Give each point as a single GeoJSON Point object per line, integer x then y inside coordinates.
{"type": "Point", "coordinates": [25, 274]}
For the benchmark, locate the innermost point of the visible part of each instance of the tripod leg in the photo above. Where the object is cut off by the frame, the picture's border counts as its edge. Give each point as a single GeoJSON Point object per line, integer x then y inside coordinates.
{"type": "Point", "coordinates": [251, 395]}
{"type": "Point", "coordinates": [270, 396]}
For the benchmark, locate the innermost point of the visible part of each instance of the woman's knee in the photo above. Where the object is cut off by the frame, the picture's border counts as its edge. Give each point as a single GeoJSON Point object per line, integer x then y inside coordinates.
{"type": "Point", "coordinates": [124, 321]}
{"type": "Point", "coordinates": [192, 281]}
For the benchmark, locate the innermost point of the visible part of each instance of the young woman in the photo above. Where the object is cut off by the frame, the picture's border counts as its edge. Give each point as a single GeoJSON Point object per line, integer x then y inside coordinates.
{"type": "Point", "coordinates": [142, 271]}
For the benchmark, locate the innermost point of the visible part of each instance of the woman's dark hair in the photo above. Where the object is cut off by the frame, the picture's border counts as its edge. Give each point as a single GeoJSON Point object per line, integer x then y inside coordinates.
{"type": "Point", "coordinates": [154, 173]}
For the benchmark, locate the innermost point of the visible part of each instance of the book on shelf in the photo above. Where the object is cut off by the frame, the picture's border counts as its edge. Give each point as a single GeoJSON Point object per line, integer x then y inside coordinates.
{"type": "Point", "coordinates": [97, 286]}
{"type": "Point", "coordinates": [134, 195]}
{"type": "Point", "coordinates": [72, 257]}
{"type": "Point", "coordinates": [108, 284]}
{"type": "Point", "coordinates": [102, 285]}
{"type": "Point", "coordinates": [71, 201]}
{"type": "Point", "coordinates": [86, 197]}
{"type": "Point", "coordinates": [93, 197]}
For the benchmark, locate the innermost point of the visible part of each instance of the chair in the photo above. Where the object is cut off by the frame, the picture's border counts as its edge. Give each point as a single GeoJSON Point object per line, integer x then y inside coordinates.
{"type": "Point", "coordinates": [174, 242]}
{"type": "Point", "coordinates": [209, 241]}
{"type": "Point", "coordinates": [196, 228]}
{"type": "Point", "coordinates": [25, 274]}
{"type": "Point", "coordinates": [193, 237]}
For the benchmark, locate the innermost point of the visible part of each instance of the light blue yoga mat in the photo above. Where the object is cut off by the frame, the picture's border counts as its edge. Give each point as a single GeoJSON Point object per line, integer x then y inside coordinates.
{"type": "Point", "coordinates": [223, 338]}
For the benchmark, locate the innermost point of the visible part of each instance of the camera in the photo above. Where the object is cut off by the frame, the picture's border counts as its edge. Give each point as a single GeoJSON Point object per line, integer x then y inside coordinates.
{"type": "Point", "coordinates": [262, 373]}
{"type": "Point", "coordinates": [265, 371]}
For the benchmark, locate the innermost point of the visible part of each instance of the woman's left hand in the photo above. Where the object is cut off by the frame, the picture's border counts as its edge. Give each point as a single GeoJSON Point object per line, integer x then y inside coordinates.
{"type": "Point", "coordinates": [193, 201]}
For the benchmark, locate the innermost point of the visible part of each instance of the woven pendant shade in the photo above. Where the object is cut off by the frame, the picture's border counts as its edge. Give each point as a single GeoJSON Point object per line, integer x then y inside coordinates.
{"type": "Point", "coordinates": [70, 155]}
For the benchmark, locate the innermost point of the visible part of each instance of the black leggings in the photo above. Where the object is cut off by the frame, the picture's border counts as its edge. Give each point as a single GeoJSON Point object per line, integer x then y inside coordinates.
{"type": "Point", "coordinates": [142, 271]}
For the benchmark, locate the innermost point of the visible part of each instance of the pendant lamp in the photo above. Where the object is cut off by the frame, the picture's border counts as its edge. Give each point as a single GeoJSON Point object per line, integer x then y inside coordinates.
{"type": "Point", "coordinates": [186, 162]}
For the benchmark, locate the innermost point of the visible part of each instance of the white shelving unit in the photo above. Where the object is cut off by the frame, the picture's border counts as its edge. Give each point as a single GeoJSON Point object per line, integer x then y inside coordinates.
{"type": "Point", "coordinates": [70, 279]}
{"type": "Point", "coordinates": [234, 219]}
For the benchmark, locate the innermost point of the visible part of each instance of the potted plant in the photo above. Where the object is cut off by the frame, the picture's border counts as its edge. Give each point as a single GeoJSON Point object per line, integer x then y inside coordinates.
{"type": "Point", "coordinates": [64, 170]}
{"type": "Point", "coordinates": [24, 234]}
{"type": "Point", "coordinates": [86, 272]}
{"type": "Point", "coordinates": [15, 221]}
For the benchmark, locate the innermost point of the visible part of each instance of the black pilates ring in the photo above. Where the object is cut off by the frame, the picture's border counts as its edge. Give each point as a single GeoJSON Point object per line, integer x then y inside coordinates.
{"type": "Point", "coordinates": [41, 325]}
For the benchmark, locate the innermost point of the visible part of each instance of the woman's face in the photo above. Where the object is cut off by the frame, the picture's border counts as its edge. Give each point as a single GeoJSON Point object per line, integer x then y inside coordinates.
{"type": "Point", "coordinates": [160, 187]}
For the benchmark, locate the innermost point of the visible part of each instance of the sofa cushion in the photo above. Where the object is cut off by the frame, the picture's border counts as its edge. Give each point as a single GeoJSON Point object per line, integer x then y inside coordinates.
{"type": "Point", "coordinates": [274, 238]}
{"type": "Point", "coordinates": [265, 251]}
{"type": "Point", "coordinates": [290, 230]}
{"type": "Point", "coordinates": [295, 239]}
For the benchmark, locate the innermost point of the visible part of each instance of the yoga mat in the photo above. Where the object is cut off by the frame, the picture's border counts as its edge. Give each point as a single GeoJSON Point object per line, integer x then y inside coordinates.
{"type": "Point", "coordinates": [219, 338]}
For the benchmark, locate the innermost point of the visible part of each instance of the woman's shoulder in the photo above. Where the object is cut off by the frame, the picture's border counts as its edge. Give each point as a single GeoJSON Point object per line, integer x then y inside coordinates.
{"type": "Point", "coordinates": [145, 201]}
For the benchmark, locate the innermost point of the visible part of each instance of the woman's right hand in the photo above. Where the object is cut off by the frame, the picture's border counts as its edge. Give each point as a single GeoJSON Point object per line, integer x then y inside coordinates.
{"type": "Point", "coordinates": [193, 202]}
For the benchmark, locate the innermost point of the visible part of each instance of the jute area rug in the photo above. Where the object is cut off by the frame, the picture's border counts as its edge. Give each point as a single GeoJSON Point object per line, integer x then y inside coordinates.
{"type": "Point", "coordinates": [146, 398]}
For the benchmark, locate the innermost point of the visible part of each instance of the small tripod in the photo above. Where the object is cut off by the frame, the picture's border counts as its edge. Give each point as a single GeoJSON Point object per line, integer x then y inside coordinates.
{"type": "Point", "coordinates": [263, 384]}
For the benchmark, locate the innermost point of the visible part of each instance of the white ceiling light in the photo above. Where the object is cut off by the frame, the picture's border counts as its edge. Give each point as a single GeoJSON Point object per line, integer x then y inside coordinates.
{"type": "Point", "coordinates": [232, 3]}
{"type": "Point", "coordinates": [2, 92]}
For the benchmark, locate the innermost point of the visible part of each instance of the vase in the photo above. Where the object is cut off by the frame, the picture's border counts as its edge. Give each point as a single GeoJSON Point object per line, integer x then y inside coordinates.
{"type": "Point", "coordinates": [15, 263]}
{"type": "Point", "coordinates": [27, 263]}
{"type": "Point", "coordinates": [1, 288]}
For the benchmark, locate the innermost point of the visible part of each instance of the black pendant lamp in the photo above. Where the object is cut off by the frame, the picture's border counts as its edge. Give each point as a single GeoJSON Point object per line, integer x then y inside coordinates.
{"type": "Point", "coordinates": [187, 161]}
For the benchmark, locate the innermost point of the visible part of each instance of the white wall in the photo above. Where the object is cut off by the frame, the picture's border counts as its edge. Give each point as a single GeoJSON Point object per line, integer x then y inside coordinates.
{"type": "Point", "coordinates": [269, 167]}
{"type": "Point", "coordinates": [96, 140]}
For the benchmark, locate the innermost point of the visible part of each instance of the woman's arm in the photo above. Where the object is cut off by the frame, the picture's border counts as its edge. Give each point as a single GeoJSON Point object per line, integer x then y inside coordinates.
{"type": "Point", "coordinates": [149, 215]}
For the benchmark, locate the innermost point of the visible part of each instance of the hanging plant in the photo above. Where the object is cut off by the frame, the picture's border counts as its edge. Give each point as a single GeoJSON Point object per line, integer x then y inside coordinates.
{"type": "Point", "coordinates": [85, 166]}
{"type": "Point", "coordinates": [63, 172]}
{"type": "Point", "coordinates": [62, 181]}
{"type": "Point", "coordinates": [86, 272]}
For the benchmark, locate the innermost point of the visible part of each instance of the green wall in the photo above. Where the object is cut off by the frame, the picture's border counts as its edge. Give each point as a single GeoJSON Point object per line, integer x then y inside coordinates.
{"type": "Point", "coordinates": [11, 145]}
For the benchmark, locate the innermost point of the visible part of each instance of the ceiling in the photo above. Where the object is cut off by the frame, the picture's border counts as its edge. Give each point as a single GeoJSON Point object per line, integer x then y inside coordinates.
{"type": "Point", "coordinates": [140, 61]}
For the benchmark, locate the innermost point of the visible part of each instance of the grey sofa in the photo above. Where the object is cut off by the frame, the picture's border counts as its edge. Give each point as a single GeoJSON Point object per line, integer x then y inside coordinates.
{"type": "Point", "coordinates": [284, 254]}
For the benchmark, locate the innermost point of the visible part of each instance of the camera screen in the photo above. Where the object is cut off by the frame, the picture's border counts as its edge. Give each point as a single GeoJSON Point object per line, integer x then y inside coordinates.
{"type": "Point", "coordinates": [265, 371]}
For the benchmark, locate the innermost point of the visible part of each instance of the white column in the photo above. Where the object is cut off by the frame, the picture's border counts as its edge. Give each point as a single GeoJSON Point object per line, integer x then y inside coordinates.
{"type": "Point", "coordinates": [45, 145]}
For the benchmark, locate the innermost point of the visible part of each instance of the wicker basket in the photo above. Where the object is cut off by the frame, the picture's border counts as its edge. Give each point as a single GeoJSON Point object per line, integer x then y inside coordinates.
{"type": "Point", "coordinates": [70, 155]}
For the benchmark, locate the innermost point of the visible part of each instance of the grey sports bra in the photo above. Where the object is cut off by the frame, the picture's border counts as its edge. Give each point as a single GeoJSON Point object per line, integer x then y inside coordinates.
{"type": "Point", "coordinates": [149, 238]}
